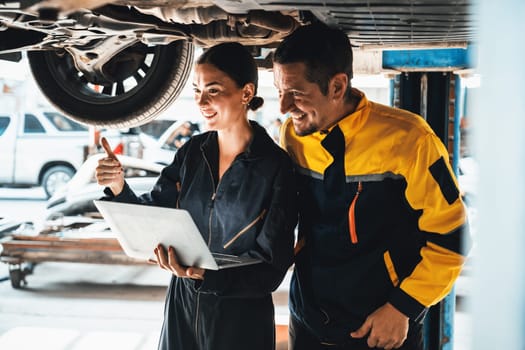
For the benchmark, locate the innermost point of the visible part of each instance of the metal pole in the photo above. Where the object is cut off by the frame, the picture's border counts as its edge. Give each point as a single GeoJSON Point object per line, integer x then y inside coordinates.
{"type": "Point", "coordinates": [458, 110]}
{"type": "Point", "coordinates": [448, 305]}
{"type": "Point", "coordinates": [392, 82]}
{"type": "Point", "coordinates": [448, 308]}
{"type": "Point", "coordinates": [424, 96]}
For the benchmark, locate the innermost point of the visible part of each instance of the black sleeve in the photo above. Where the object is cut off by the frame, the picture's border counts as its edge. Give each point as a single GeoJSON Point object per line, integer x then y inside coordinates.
{"type": "Point", "coordinates": [165, 191]}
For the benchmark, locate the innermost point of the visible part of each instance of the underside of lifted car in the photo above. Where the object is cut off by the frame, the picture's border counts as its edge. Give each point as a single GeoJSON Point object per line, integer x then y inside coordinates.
{"type": "Point", "coordinates": [121, 63]}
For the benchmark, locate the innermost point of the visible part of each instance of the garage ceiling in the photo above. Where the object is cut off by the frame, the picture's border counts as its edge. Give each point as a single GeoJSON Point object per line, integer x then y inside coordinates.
{"type": "Point", "coordinates": [391, 22]}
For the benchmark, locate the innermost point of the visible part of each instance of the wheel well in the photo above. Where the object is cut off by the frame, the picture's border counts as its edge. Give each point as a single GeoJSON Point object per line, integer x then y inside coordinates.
{"type": "Point", "coordinates": [49, 165]}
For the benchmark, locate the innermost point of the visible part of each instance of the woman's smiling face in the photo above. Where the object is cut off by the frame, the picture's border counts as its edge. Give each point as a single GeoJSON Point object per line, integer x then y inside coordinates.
{"type": "Point", "coordinates": [222, 103]}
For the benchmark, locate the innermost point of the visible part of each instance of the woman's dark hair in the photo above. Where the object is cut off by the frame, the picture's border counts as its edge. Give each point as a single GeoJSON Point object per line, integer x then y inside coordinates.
{"type": "Point", "coordinates": [238, 63]}
{"type": "Point", "coordinates": [325, 51]}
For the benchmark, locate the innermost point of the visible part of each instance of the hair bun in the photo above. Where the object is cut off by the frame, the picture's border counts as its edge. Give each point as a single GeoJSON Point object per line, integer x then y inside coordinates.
{"type": "Point", "coordinates": [255, 103]}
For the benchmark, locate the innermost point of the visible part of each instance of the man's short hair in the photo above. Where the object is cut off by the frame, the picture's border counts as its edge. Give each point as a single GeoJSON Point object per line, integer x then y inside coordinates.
{"type": "Point", "coordinates": [325, 51]}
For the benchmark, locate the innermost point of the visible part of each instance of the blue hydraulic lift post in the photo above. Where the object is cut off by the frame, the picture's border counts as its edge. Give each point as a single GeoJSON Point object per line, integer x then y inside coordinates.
{"type": "Point", "coordinates": [428, 59]}
{"type": "Point", "coordinates": [458, 111]}
{"type": "Point", "coordinates": [438, 334]}
{"type": "Point", "coordinates": [449, 303]}
{"type": "Point", "coordinates": [392, 83]}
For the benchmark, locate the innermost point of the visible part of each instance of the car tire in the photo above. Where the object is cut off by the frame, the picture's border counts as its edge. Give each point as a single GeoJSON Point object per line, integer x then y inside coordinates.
{"type": "Point", "coordinates": [159, 74]}
{"type": "Point", "coordinates": [56, 177]}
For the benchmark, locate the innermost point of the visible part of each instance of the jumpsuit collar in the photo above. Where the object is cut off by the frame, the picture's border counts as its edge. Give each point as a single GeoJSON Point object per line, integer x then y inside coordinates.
{"type": "Point", "coordinates": [353, 122]}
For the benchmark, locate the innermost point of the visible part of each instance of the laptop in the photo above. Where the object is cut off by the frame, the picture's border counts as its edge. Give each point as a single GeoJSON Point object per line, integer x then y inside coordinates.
{"type": "Point", "coordinates": [140, 228]}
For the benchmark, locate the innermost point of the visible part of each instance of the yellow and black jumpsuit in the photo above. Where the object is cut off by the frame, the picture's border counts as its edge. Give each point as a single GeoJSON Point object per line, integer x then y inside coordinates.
{"type": "Point", "coordinates": [381, 220]}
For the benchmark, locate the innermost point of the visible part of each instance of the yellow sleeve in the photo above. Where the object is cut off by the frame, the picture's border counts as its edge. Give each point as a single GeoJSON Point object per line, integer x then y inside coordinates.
{"type": "Point", "coordinates": [432, 188]}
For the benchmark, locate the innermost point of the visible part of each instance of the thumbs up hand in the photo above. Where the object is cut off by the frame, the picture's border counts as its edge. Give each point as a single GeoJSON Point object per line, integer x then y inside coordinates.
{"type": "Point", "coordinates": [109, 171]}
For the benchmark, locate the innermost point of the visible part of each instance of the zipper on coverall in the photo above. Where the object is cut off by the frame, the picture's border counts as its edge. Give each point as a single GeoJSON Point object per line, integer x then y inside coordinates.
{"type": "Point", "coordinates": [209, 238]}
{"type": "Point", "coordinates": [245, 229]}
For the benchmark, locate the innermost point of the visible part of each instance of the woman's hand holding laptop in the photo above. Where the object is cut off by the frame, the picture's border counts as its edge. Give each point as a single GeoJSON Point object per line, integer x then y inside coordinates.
{"type": "Point", "coordinates": [169, 262]}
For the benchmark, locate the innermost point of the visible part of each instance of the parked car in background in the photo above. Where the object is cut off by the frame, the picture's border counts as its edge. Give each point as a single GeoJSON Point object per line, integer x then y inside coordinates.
{"type": "Point", "coordinates": [45, 148]}
{"type": "Point", "coordinates": [8, 225]}
{"type": "Point", "coordinates": [76, 197]}
{"type": "Point", "coordinates": [156, 147]}
{"type": "Point", "coordinates": [40, 147]}
{"type": "Point", "coordinates": [162, 149]}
